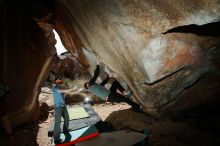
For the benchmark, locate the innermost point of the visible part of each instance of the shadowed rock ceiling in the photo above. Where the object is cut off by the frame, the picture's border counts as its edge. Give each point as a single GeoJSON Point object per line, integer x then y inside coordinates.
{"type": "Point", "coordinates": [166, 51]}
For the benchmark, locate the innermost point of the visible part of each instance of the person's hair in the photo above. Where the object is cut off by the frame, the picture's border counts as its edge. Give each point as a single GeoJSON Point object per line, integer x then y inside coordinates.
{"type": "Point", "coordinates": [58, 80]}
{"type": "Point", "coordinates": [86, 85]}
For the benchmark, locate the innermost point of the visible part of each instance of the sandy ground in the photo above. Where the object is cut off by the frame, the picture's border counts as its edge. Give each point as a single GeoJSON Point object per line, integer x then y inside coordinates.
{"type": "Point", "coordinates": [164, 132]}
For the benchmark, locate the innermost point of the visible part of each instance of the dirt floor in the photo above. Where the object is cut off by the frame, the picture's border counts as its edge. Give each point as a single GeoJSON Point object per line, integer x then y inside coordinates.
{"type": "Point", "coordinates": [164, 131]}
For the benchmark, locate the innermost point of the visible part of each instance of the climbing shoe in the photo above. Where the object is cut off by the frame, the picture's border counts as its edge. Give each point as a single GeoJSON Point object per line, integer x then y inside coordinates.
{"type": "Point", "coordinates": [138, 110]}
{"type": "Point", "coordinates": [58, 141]}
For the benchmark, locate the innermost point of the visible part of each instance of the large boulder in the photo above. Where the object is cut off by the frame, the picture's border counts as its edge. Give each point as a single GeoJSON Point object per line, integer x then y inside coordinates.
{"type": "Point", "coordinates": [138, 41]}
{"type": "Point", "coordinates": [151, 45]}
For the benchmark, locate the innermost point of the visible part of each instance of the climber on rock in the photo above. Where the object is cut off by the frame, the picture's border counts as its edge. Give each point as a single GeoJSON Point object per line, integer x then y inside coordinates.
{"type": "Point", "coordinates": [116, 93]}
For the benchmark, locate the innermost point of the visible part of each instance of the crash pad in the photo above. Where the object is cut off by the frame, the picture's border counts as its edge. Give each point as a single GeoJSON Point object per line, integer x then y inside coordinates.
{"type": "Point", "coordinates": [77, 113]}
{"type": "Point", "coordinates": [79, 123]}
{"type": "Point", "coordinates": [116, 138]}
{"type": "Point", "coordinates": [77, 136]}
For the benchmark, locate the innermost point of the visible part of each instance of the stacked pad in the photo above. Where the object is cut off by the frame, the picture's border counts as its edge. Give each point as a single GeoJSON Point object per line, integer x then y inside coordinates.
{"type": "Point", "coordinates": [77, 113]}
{"type": "Point", "coordinates": [117, 138]}
{"type": "Point", "coordinates": [81, 125]}
{"type": "Point", "coordinates": [77, 136]}
{"type": "Point", "coordinates": [81, 119]}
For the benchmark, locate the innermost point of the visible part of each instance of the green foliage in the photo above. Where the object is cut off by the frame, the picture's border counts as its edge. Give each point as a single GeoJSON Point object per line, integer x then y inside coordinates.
{"type": "Point", "coordinates": [67, 83]}
{"type": "Point", "coordinates": [51, 77]}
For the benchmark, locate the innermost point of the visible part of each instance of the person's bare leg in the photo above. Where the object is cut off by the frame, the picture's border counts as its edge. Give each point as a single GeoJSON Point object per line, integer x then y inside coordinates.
{"type": "Point", "coordinates": [117, 87]}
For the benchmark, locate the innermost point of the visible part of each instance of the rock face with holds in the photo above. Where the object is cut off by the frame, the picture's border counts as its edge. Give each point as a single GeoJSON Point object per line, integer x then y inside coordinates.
{"type": "Point", "coordinates": [167, 52]}
{"type": "Point", "coordinates": [151, 45]}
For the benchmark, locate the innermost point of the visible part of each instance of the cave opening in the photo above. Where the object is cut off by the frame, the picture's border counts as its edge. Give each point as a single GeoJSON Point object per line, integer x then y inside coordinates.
{"type": "Point", "coordinates": [59, 45]}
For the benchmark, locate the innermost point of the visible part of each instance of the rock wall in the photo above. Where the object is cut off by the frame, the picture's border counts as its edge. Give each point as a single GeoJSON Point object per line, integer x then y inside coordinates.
{"type": "Point", "coordinates": [69, 67]}
{"type": "Point", "coordinates": [150, 45]}
{"type": "Point", "coordinates": [133, 39]}
{"type": "Point", "coordinates": [26, 58]}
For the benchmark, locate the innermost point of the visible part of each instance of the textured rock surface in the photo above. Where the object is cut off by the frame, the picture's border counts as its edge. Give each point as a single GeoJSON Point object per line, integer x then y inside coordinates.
{"type": "Point", "coordinates": [127, 36]}
{"type": "Point", "coordinates": [26, 57]}
{"type": "Point", "coordinates": [69, 67]}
